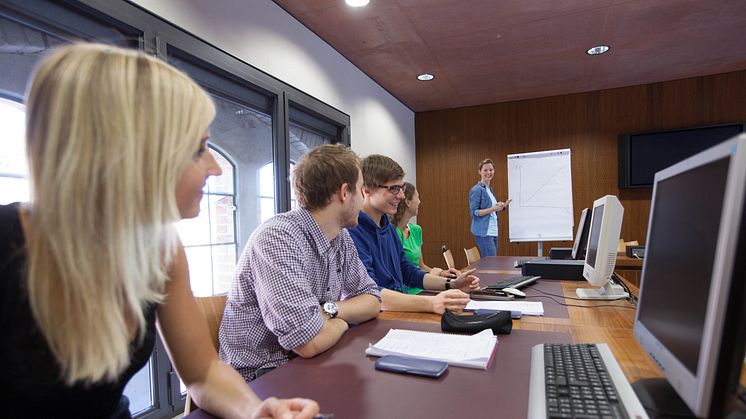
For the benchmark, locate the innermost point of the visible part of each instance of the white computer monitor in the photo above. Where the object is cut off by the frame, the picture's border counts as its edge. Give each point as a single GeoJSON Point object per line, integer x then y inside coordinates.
{"type": "Point", "coordinates": [581, 236]}
{"type": "Point", "coordinates": [691, 316]}
{"type": "Point", "coordinates": [600, 256]}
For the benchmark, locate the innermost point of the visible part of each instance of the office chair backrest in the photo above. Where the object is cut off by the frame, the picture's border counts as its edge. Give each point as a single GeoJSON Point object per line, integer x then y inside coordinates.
{"type": "Point", "coordinates": [472, 255]}
{"type": "Point", "coordinates": [448, 256]}
{"type": "Point", "coordinates": [212, 310]}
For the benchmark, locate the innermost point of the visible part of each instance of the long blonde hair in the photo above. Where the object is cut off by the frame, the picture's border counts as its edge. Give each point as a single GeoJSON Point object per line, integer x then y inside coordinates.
{"type": "Point", "coordinates": [109, 132]}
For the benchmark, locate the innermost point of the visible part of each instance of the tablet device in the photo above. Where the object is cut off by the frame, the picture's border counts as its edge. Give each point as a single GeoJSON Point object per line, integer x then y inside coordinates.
{"type": "Point", "coordinates": [408, 365]}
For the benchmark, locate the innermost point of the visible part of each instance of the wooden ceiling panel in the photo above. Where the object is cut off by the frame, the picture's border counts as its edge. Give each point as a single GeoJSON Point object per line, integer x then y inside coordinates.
{"type": "Point", "coordinates": [487, 51]}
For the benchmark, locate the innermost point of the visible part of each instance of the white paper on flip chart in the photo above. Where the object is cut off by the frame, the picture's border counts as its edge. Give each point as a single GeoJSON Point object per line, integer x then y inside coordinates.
{"type": "Point", "coordinates": [527, 308]}
{"type": "Point", "coordinates": [472, 351]}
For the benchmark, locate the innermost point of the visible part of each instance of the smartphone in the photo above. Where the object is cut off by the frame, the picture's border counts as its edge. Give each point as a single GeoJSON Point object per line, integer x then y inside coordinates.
{"type": "Point", "coordinates": [409, 365]}
{"type": "Point", "coordinates": [491, 294]}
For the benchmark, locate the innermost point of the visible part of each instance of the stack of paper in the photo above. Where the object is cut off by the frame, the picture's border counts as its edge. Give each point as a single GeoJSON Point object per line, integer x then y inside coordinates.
{"type": "Point", "coordinates": [527, 308]}
{"type": "Point", "coordinates": [473, 351]}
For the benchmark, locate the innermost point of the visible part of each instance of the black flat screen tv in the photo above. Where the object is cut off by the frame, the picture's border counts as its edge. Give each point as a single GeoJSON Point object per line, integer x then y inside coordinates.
{"type": "Point", "coordinates": [641, 155]}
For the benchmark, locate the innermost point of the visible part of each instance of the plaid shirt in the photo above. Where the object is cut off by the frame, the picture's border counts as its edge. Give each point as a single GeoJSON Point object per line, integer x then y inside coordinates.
{"type": "Point", "coordinates": [287, 270]}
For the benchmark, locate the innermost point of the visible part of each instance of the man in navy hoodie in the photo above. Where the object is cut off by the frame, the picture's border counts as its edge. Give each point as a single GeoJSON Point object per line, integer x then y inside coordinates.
{"type": "Point", "coordinates": [381, 251]}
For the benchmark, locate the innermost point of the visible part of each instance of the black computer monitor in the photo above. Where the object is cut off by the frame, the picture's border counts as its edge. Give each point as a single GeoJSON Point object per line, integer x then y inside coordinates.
{"type": "Point", "coordinates": [581, 236]}
{"type": "Point", "coordinates": [691, 316]}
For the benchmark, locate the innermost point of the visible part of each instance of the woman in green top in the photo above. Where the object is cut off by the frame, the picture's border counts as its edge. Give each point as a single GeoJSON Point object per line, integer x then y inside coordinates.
{"type": "Point", "coordinates": [410, 234]}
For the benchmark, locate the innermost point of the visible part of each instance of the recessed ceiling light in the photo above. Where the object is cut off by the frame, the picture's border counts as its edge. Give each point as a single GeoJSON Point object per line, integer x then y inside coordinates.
{"type": "Point", "coordinates": [597, 50]}
{"type": "Point", "coordinates": [425, 77]}
{"type": "Point", "coordinates": [357, 3]}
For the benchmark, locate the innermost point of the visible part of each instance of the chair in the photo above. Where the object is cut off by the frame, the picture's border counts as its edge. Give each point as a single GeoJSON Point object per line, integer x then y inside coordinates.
{"type": "Point", "coordinates": [212, 310]}
{"type": "Point", "coordinates": [622, 246]}
{"type": "Point", "coordinates": [448, 256]}
{"type": "Point", "coordinates": [472, 255]}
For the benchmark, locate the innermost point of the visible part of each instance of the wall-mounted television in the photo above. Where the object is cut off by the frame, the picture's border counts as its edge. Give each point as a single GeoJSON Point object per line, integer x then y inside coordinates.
{"type": "Point", "coordinates": [643, 154]}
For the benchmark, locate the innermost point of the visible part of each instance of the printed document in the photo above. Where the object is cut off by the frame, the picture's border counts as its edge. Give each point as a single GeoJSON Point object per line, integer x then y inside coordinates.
{"type": "Point", "coordinates": [473, 351]}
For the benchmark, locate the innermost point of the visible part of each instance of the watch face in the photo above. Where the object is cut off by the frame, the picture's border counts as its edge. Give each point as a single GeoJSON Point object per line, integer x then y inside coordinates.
{"type": "Point", "coordinates": [330, 308]}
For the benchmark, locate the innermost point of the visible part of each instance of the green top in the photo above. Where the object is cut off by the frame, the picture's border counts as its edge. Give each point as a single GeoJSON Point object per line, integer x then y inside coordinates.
{"type": "Point", "coordinates": [412, 248]}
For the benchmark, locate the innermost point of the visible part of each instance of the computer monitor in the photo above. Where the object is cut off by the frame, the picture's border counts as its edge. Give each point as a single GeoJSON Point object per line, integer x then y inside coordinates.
{"type": "Point", "coordinates": [581, 236]}
{"type": "Point", "coordinates": [600, 257]}
{"type": "Point", "coordinates": [691, 316]}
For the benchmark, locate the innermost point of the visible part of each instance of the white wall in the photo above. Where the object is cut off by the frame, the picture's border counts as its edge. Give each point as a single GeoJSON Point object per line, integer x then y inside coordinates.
{"type": "Point", "coordinates": [262, 34]}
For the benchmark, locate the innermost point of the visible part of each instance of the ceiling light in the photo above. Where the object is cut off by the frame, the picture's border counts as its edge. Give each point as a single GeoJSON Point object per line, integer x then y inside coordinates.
{"type": "Point", "coordinates": [357, 3]}
{"type": "Point", "coordinates": [597, 50]}
{"type": "Point", "coordinates": [425, 77]}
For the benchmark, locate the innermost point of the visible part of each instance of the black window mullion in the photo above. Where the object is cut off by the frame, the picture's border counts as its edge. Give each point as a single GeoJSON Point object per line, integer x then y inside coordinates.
{"type": "Point", "coordinates": [281, 143]}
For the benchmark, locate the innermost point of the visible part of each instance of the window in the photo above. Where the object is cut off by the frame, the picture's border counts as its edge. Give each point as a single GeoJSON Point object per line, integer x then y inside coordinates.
{"type": "Point", "coordinates": [14, 182]}
{"type": "Point", "coordinates": [266, 178]}
{"type": "Point", "coordinates": [262, 127]}
{"type": "Point", "coordinates": [210, 238]}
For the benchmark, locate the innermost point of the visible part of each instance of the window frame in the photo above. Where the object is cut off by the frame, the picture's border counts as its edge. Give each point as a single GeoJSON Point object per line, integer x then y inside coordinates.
{"type": "Point", "coordinates": [94, 20]}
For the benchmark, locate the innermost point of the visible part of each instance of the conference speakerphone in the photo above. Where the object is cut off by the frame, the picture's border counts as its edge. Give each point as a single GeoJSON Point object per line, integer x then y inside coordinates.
{"type": "Point", "coordinates": [554, 269]}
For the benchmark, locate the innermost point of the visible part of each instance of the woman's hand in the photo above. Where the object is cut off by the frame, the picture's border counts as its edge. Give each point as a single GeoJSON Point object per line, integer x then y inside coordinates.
{"type": "Point", "coordinates": [466, 282]}
{"type": "Point", "coordinates": [449, 273]}
{"type": "Point", "coordinates": [296, 408]}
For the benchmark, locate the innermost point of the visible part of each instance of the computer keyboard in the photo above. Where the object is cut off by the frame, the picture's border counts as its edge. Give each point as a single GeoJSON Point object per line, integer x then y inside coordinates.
{"type": "Point", "coordinates": [517, 282]}
{"type": "Point", "coordinates": [579, 381]}
{"type": "Point", "coordinates": [519, 262]}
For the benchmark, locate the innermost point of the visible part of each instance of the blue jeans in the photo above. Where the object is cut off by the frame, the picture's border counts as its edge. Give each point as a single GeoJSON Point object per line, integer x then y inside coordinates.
{"type": "Point", "coordinates": [487, 245]}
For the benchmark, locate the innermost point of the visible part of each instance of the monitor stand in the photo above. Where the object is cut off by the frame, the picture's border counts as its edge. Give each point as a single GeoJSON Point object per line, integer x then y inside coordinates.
{"type": "Point", "coordinates": [607, 292]}
{"type": "Point", "coordinates": [660, 400]}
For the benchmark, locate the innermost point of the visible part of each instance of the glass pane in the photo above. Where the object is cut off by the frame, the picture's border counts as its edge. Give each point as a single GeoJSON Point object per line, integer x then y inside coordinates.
{"type": "Point", "coordinates": [293, 200]}
{"type": "Point", "coordinates": [303, 137]}
{"type": "Point", "coordinates": [224, 264]}
{"type": "Point", "coordinates": [200, 270]}
{"type": "Point", "coordinates": [224, 182]}
{"type": "Point", "coordinates": [22, 48]}
{"type": "Point", "coordinates": [140, 389]}
{"type": "Point", "coordinates": [302, 140]}
{"type": "Point", "coordinates": [267, 180]}
{"type": "Point", "coordinates": [245, 135]}
{"type": "Point", "coordinates": [221, 219]}
{"type": "Point", "coordinates": [196, 231]}
{"type": "Point", "coordinates": [267, 208]}
{"type": "Point", "coordinates": [14, 190]}
{"type": "Point", "coordinates": [12, 142]}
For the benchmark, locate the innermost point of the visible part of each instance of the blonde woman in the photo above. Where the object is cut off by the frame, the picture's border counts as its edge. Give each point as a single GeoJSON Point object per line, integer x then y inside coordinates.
{"type": "Point", "coordinates": [410, 234]}
{"type": "Point", "coordinates": [117, 150]}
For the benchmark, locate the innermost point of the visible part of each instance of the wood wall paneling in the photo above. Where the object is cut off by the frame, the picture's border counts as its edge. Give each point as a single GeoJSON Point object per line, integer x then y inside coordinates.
{"type": "Point", "coordinates": [451, 142]}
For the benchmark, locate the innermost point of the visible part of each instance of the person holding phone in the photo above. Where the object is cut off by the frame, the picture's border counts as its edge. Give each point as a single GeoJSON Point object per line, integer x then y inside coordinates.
{"type": "Point", "coordinates": [483, 207]}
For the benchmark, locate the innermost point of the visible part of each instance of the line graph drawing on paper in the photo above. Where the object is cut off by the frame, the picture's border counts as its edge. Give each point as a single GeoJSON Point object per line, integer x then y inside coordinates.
{"type": "Point", "coordinates": [541, 192]}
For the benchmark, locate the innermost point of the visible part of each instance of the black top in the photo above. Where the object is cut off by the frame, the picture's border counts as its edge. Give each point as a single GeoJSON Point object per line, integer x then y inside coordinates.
{"type": "Point", "coordinates": [30, 377]}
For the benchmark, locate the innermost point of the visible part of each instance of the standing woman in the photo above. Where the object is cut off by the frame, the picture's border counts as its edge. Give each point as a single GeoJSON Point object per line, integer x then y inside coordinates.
{"type": "Point", "coordinates": [484, 207]}
{"type": "Point", "coordinates": [410, 234]}
{"type": "Point", "coordinates": [117, 146]}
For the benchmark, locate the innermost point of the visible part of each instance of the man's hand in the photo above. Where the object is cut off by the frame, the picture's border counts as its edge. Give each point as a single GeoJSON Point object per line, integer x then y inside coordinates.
{"type": "Point", "coordinates": [296, 408]}
{"type": "Point", "coordinates": [451, 300]}
{"type": "Point", "coordinates": [466, 282]}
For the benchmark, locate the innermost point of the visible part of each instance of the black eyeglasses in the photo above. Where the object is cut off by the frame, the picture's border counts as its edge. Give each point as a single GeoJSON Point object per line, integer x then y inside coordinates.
{"type": "Point", "coordinates": [394, 189]}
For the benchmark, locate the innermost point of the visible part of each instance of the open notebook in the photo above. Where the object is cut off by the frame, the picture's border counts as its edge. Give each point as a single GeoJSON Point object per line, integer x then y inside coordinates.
{"type": "Point", "coordinates": [473, 351]}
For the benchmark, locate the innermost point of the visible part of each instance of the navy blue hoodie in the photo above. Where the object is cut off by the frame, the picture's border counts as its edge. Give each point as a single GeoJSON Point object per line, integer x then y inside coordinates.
{"type": "Point", "coordinates": [381, 252]}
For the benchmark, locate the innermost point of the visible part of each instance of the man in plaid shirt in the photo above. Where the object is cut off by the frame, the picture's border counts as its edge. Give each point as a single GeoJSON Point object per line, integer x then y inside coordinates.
{"type": "Point", "coordinates": [299, 282]}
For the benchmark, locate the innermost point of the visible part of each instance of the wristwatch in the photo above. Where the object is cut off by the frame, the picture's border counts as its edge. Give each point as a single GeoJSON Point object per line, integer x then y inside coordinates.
{"type": "Point", "coordinates": [330, 308]}
{"type": "Point", "coordinates": [448, 283]}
